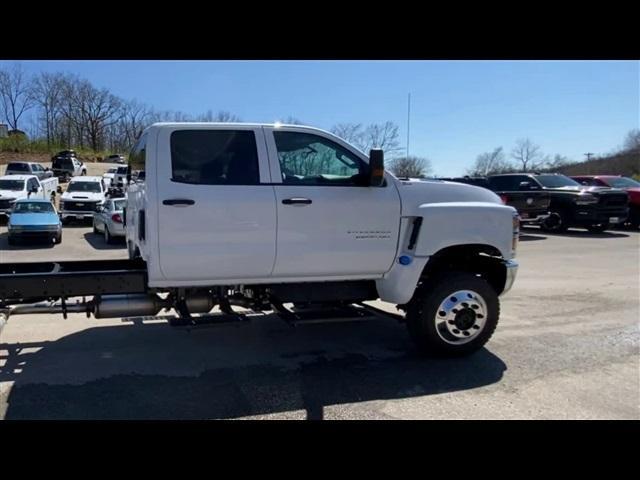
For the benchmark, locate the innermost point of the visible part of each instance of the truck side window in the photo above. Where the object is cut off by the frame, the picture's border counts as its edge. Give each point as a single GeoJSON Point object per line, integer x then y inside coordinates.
{"type": "Point", "coordinates": [307, 159]}
{"type": "Point", "coordinates": [214, 157]}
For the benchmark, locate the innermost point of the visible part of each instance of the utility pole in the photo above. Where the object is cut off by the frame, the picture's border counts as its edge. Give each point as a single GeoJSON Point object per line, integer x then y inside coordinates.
{"type": "Point", "coordinates": [408, 121]}
{"type": "Point", "coordinates": [589, 155]}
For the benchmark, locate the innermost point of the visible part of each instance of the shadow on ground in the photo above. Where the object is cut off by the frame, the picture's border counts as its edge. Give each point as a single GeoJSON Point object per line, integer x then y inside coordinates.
{"type": "Point", "coordinates": [96, 240]}
{"type": "Point", "coordinates": [152, 371]}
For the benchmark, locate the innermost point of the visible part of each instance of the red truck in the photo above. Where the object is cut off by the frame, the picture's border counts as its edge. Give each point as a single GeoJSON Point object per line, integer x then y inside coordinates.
{"type": "Point", "coordinates": [616, 181]}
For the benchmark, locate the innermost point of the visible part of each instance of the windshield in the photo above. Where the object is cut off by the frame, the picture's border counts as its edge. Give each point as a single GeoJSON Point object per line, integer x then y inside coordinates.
{"type": "Point", "coordinates": [119, 204]}
{"type": "Point", "coordinates": [112, 170]}
{"type": "Point", "coordinates": [12, 185]}
{"type": "Point", "coordinates": [122, 170]}
{"type": "Point", "coordinates": [622, 182]}
{"type": "Point", "coordinates": [93, 187]}
{"type": "Point", "coordinates": [33, 207]}
{"type": "Point", "coordinates": [556, 181]}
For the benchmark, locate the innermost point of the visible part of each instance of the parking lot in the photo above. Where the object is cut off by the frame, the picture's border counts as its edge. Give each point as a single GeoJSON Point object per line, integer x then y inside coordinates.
{"type": "Point", "coordinates": [567, 347]}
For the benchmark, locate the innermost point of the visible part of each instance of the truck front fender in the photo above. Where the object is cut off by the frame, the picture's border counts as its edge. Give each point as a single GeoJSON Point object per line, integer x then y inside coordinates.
{"type": "Point", "coordinates": [444, 225]}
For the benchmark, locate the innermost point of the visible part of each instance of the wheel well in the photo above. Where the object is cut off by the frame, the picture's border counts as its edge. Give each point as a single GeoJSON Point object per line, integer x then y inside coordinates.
{"type": "Point", "coordinates": [482, 260]}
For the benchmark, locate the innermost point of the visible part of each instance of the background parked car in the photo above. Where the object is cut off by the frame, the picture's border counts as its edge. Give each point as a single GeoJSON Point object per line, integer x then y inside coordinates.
{"type": "Point", "coordinates": [108, 219]}
{"type": "Point", "coordinates": [575, 205]}
{"type": "Point", "coordinates": [65, 165]}
{"type": "Point", "coordinates": [115, 158]}
{"type": "Point", "coordinates": [108, 176]}
{"type": "Point", "coordinates": [28, 168]}
{"type": "Point", "coordinates": [16, 187]}
{"type": "Point", "coordinates": [83, 197]}
{"type": "Point", "coordinates": [631, 186]}
{"type": "Point", "coordinates": [34, 219]}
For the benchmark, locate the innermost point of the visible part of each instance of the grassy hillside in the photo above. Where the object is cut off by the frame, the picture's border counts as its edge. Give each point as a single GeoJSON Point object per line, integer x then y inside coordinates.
{"type": "Point", "coordinates": [625, 163]}
{"type": "Point", "coordinates": [19, 149]}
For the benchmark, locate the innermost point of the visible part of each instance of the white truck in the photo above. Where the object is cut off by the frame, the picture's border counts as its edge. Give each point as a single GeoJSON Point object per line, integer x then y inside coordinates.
{"type": "Point", "coordinates": [16, 187]}
{"type": "Point", "coordinates": [294, 220]}
{"type": "Point", "coordinates": [83, 197]}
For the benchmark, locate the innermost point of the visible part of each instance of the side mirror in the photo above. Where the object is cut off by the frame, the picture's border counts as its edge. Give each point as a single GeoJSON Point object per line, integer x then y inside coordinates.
{"type": "Point", "coordinates": [376, 167]}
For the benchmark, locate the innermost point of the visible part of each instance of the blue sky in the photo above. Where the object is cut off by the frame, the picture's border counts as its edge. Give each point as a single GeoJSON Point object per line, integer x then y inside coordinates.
{"type": "Point", "coordinates": [458, 110]}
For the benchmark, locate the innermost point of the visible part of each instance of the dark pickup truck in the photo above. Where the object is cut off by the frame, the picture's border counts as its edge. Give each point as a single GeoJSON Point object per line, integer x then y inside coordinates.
{"type": "Point", "coordinates": [526, 197]}
{"type": "Point", "coordinates": [572, 204]}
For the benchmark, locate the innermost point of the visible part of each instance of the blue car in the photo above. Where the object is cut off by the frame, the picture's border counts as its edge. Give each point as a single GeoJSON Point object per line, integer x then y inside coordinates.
{"type": "Point", "coordinates": [34, 219]}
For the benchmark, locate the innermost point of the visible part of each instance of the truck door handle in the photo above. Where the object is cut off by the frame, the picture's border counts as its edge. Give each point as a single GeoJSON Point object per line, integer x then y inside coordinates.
{"type": "Point", "coordinates": [178, 201]}
{"type": "Point", "coordinates": [297, 201]}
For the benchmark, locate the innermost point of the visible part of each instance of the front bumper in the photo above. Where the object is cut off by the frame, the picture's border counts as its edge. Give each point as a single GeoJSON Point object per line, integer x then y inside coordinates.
{"type": "Point", "coordinates": [534, 219]}
{"type": "Point", "coordinates": [594, 216]}
{"type": "Point", "coordinates": [34, 233]}
{"type": "Point", "coordinates": [510, 277]}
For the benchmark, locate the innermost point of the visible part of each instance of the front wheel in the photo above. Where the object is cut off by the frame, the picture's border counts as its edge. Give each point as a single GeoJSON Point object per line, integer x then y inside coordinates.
{"type": "Point", "coordinates": [555, 222]}
{"type": "Point", "coordinates": [453, 314]}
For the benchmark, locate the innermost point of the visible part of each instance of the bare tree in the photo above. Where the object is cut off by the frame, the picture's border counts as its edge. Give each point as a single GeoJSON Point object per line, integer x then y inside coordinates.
{"type": "Point", "coordinates": [46, 91]}
{"type": "Point", "coordinates": [556, 162]}
{"type": "Point", "coordinates": [15, 94]}
{"type": "Point", "coordinates": [632, 140]}
{"type": "Point", "coordinates": [490, 163]}
{"type": "Point", "coordinates": [291, 120]}
{"type": "Point", "coordinates": [349, 132]}
{"type": "Point", "coordinates": [382, 135]}
{"type": "Point", "coordinates": [527, 154]}
{"type": "Point", "coordinates": [411, 167]}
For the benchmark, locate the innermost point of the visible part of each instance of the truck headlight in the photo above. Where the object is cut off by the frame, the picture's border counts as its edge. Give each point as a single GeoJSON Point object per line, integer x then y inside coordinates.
{"type": "Point", "coordinates": [586, 199]}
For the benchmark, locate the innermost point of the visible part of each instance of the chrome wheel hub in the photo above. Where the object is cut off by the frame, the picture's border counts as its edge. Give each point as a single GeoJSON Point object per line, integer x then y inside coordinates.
{"type": "Point", "coordinates": [461, 317]}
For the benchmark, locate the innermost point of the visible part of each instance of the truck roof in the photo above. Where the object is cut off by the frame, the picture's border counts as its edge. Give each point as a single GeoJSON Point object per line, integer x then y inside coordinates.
{"type": "Point", "coordinates": [17, 177]}
{"type": "Point", "coordinates": [86, 179]}
{"type": "Point", "coordinates": [34, 200]}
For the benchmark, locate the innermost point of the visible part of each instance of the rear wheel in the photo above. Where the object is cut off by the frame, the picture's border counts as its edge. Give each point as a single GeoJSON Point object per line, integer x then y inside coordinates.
{"type": "Point", "coordinates": [58, 238]}
{"type": "Point", "coordinates": [453, 314]}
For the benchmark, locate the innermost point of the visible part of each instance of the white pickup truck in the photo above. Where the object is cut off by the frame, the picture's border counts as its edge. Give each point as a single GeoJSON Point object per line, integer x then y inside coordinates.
{"type": "Point", "coordinates": [83, 197]}
{"type": "Point", "coordinates": [16, 187]}
{"type": "Point", "coordinates": [262, 215]}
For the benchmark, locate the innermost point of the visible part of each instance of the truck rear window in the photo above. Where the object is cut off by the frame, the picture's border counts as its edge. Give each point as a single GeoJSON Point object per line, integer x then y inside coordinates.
{"type": "Point", "coordinates": [214, 157]}
{"type": "Point", "coordinates": [15, 185]}
{"type": "Point", "coordinates": [18, 167]}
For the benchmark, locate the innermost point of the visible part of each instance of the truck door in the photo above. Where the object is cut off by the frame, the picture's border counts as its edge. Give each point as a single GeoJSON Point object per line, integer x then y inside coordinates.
{"type": "Point", "coordinates": [216, 207]}
{"type": "Point", "coordinates": [329, 223]}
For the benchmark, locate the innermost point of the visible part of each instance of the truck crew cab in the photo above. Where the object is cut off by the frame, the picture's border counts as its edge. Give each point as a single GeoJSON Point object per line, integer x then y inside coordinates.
{"type": "Point", "coordinates": [268, 216]}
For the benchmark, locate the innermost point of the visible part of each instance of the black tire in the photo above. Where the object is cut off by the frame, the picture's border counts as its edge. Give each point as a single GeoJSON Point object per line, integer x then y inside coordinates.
{"type": "Point", "coordinates": [58, 239]}
{"type": "Point", "coordinates": [424, 312]}
{"type": "Point", "coordinates": [601, 228]}
{"type": "Point", "coordinates": [556, 222]}
{"type": "Point", "coordinates": [84, 172]}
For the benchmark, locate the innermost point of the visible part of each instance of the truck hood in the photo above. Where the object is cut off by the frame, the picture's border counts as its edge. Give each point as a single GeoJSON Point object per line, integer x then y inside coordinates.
{"type": "Point", "coordinates": [33, 219]}
{"type": "Point", "coordinates": [12, 194]}
{"type": "Point", "coordinates": [414, 193]}
{"type": "Point", "coordinates": [82, 196]}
